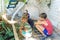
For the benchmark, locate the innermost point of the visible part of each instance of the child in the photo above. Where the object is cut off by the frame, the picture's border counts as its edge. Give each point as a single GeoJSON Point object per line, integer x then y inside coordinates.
{"type": "Point", "coordinates": [44, 25]}
{"type": "Point", "coordinates": [30, 21]}
{"type": "Point", "coordinates": [25, 27]}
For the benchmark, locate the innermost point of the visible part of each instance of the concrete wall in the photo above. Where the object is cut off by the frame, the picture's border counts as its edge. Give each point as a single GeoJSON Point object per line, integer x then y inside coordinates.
{"type": "Point", "coordinates": [35, 7]}
{"type": "Point", "coordinates": [54, 13]}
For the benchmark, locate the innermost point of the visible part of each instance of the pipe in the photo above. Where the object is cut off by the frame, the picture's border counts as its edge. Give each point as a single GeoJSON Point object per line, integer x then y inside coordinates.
{"type": "Point", "coordinates": [14, 29]}
{"type": "Point", "coordinates": [17, 11]}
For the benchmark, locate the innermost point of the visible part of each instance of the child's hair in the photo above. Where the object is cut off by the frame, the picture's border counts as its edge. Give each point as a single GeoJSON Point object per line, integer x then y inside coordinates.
{"type": "Point", "coordinates": [43, 15]}
{"type": "Point", "coordinates": [24, 17]}
{"type": "Point", "coordinates": [26, 13]}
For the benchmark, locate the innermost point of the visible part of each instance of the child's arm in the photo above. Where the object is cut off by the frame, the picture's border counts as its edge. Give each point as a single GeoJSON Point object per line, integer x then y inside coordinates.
{"type": "Point", "coordinates": [20, 30]}
{"type": "Point", "coordinates": [40, 29]}
{"type": "Point", "coordinates": [38, 23]}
